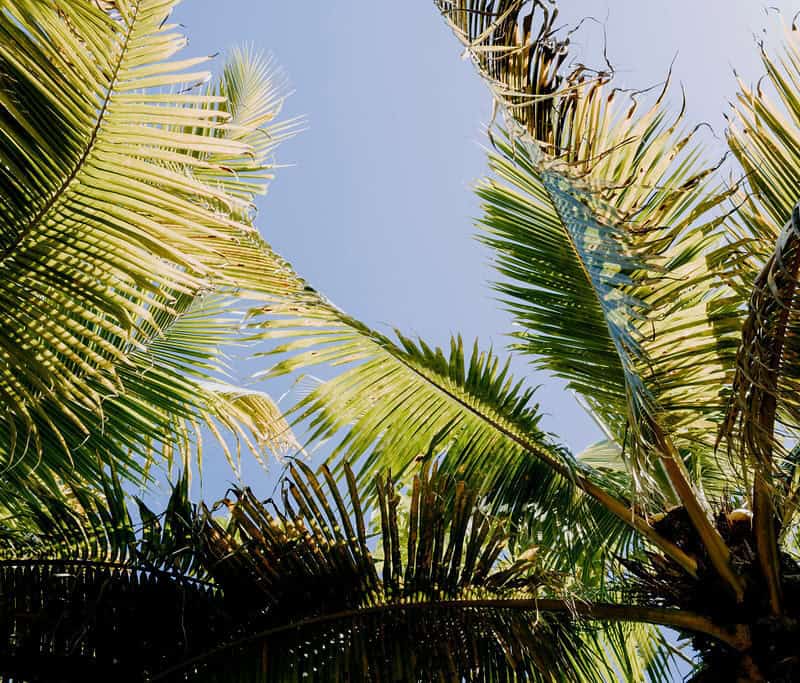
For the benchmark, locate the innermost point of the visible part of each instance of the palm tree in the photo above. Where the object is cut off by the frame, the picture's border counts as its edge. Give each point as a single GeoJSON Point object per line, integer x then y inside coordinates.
{"type": "Point", "coordinates": [663, 295]}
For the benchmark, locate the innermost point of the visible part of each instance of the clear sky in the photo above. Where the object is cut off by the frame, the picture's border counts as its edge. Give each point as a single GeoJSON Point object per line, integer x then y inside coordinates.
{"type": "Point", "coordinates": [376, 210]}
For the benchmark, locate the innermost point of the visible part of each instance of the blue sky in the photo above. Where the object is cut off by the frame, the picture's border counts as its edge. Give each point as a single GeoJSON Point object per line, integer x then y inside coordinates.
{"type": "Point", "coordinates": [376, 209]}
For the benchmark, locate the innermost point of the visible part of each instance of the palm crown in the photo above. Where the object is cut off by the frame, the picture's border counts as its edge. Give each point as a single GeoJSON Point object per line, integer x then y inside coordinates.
{"type": "Point", "coordinates": [664, 296]}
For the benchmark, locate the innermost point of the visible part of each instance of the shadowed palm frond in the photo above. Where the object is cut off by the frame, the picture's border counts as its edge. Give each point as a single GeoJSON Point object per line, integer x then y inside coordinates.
{"type": "Point", "coordinates": [87, 523]}
{"type": "Point", "coordinates": [89, 594]}
{"type": "Point", "coordinates": [258, 590]}
{"type": "Point", "coordinates": [442, 602]}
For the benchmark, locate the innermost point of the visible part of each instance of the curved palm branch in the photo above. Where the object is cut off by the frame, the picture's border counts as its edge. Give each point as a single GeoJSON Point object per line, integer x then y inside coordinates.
{"type": "Point", "coordinates": [122, 194]}
{"type": "Point", "coordinates": [402, 403]}
{"type": "Point", "coordinates": [600, 219]}
{"type": "Point", "coordinates": [174, 387]}
{"type": "Point", "coordinates": [763, 409]}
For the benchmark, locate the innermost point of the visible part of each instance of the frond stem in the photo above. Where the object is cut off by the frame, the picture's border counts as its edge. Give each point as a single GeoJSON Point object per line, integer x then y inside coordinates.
{"type": "Point", "coordinates": [718, 551]}
{"type": "Point", "coordinates": [614, 505]}
{"type": "Point", "coordinates": [736, 636]}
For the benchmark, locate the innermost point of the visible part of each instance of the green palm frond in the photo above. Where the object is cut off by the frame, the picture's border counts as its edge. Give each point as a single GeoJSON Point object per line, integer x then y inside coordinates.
{"type": "Point", "coordinates": [620, 320]}
{"type": "Point", "coordinates": [537, 243]}
{"type": "Point", "coordinates": [400, 403]}
{"type": "Point", "coordinates": [105, 222]}
{"type": "Point", "coordinates": [601, 215]}
{"type": "Point", "coordinates": [763, 137]}
{"type": "Point", "coordinates": [174, 387]}
{"type": "Point", "coordinates": [765, 261]}
{"type": "Point", "coordinates": [641, 652]}
{"type": "Point", "coordinates": [406, 402]}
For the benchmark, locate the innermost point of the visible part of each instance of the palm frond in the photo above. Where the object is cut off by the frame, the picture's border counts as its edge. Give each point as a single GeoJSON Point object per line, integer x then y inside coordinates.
{"type": "Point", "coordinates": [400, 403]}
{"type": "Point", "coordinates": [763, 409]}
{"type": "Point", "coordinates": [254, 90]}
{"type": "Point", "coordinates": [172, 387]}
{"type": "Point", "coordinates": [601, 221]}
{"type": "Point", "coordinates": [88, 523]}
{"type": "Point", "coordinates": [104, 222]}
{"type": "Point", "coordinates": [762, 136]}
{"type": "Point", "coordinates": [303, 585]}
{"type": "Point", "coordinates": [252, 417]}
{"type": "Point", "coordinates": [597, 217]}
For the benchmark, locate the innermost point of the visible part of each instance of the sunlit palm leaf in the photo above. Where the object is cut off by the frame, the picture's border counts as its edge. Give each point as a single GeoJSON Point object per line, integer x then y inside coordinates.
{"type": "Point", "coordinates": [254, 90]}
{"type": "Point", "coordinates": [252, 417]}
{"type": "Point", "coordinates": [621, 197]}
{"type": "Point", "coordinates": [405, 402]}
{"type": "Point", "coordinates": [173, 387]}
{"type": "Point", "coordinates": [597, 218]}
{"type": "Point", "coordinates": [398, 403]}
{"type": "Point", "coordinates": [103, 223]}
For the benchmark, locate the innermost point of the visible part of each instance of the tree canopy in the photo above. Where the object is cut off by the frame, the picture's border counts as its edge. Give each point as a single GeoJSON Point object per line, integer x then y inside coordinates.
{"type": "Point", "coordinates": [447, 536]}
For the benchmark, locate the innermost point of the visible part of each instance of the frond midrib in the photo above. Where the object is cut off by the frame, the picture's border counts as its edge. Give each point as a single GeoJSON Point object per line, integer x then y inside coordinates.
{"type": "Point", "coordinates": [664, 616]}
{"type": "Point", "coordinates": [524, 443]}
{"type": "Point", "coordinates": [582, 481]}
{"type": "Point", "coordinates": [61, 191]}
{"type": "Point", "coordinates": [590, 281]}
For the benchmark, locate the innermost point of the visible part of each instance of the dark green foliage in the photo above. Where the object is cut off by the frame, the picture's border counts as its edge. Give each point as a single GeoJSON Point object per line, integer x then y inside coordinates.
{"type": "Point", "coordinates": [314, 601]}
